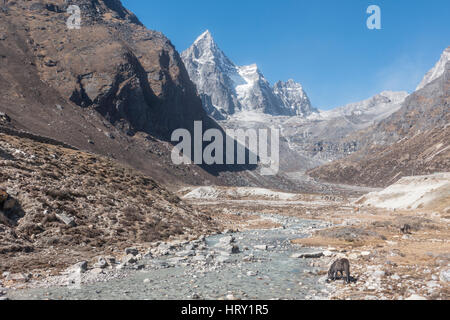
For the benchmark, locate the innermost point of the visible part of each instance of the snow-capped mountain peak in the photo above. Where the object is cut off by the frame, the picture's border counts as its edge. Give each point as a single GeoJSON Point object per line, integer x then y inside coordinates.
{"type": "Point", "coordinates": [437, 71]}
{"type": "Point", "coordinates": [206, 51]}
{"type": "Point", "coordinates": [227, 89]}
{"type": "Point", "coordinates": [205, 36]}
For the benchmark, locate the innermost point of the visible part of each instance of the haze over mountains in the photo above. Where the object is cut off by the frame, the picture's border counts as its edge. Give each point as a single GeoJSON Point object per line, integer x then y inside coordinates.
{"type": "Point", "coordinates": [415, 140]}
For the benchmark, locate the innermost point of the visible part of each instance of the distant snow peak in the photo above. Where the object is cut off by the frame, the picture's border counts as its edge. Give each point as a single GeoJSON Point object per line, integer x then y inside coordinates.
{"type": "Point", "coordinates": [395, 96]}
{"type": "Point", "coordinates": [375, 108]}
{"type": "Point", "coordinates": [227, 89]}
{"type": "Point", "coordinates": [437, 71]}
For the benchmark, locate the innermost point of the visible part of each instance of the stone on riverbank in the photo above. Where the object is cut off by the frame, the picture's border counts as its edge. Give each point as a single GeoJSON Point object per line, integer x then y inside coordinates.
{"type": "Point", "coordinates": [132, 251]}
{"type": "Point", "coordinates": [310, 255]}
{"type": "Point", "coordinates": [18, 277]}
{"type": "Point", "coordinates": [101, 263]}
{"type": "Point", "coordinates": [129, 259]}
{"type": "Point", "coordinates": [415, 297]}
{"type": "Point", "coordinates": [68, 221]}
{"type": "Point", "coordinates": [261, 247]}
{"type": "Point", "coordinates": [445, 276]}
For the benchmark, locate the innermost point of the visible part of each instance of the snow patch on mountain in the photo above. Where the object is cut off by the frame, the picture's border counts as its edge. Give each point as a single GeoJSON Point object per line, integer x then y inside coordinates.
{"type": "Point", "coordinates": [375, 108]}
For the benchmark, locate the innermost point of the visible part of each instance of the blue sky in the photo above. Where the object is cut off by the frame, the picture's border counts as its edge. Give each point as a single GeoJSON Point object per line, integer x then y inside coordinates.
{"type": "Point", "coordinates": [323, 44]}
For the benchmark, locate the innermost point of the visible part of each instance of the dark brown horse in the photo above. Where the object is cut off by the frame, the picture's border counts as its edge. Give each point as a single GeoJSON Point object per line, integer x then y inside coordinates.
{"type": "Point", "coordinates": [339, 266]}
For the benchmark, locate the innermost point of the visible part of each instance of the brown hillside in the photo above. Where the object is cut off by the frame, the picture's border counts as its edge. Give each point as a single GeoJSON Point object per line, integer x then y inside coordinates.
{"type": "Point", "coordinates": [413, 141]}
{"type": "Point", "coordinates": [111, 206]}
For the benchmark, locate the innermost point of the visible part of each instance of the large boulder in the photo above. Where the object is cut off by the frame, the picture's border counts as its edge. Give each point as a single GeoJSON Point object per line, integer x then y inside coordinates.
{"type": "Point", "coordinates": [133, 251]}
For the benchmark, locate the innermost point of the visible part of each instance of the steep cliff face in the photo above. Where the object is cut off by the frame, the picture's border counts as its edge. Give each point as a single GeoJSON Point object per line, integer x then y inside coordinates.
{"type": "Point", "coordinates": [131, 75]}
{"type": "Point", "coordinates": [112, 86]}
{"type": "Point", "coordinates": [213, 73]}
{"type": "Point", "coordinates": [414, 140]}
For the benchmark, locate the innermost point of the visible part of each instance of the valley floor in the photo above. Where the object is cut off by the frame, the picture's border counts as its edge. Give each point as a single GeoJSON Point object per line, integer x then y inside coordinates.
{"type": "Point", "coordinates": [285, 245]}
{"type": "Point", "coordinates": [386, 263]}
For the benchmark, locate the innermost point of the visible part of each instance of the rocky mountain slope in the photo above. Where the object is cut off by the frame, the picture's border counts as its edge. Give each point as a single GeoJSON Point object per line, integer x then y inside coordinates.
{"type": "Point", "coordinates": [412, 141]}
{"type": "Point", "coordinates": [111, 87]}
{"type": "Point", "coordinates": [370, 110]}
{"type": "Point", "coordinates": [328, 135]}
{"type": "Point", "coordinates": [137, 84]}
{"type": "Point", "coordinates": [61, 204]}
{"type": "Point", "coordinates": [310, 138]}
{"type": "Point", "coordinates": [227, 89]}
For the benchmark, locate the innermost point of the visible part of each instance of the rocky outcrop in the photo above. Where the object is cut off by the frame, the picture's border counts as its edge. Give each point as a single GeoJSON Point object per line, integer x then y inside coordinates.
{"type": "Point", "coordinates": [130, 75]}
{"type": "Point", "coordinates": [4, 118]}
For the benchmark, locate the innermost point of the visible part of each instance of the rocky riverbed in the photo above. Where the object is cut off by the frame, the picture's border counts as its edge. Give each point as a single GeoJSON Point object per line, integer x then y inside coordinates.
{"type": "Point", "coordinates": [268, 256]}
{"type": "Point", "coordinates": [253, 264]}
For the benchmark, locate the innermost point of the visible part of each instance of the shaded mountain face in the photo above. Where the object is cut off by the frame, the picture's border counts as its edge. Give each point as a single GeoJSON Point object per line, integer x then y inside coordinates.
{"type": "Point", "coordinates": [227, 89]}
{"type": "Point", "coordinates": [414, 140]}
{"type": "Point", "coordinates": [112, 86]}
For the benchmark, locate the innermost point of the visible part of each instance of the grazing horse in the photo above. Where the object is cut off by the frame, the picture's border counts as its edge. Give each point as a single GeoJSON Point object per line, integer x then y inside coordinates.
{"type": "Point", "coordinates": [340, 265]}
